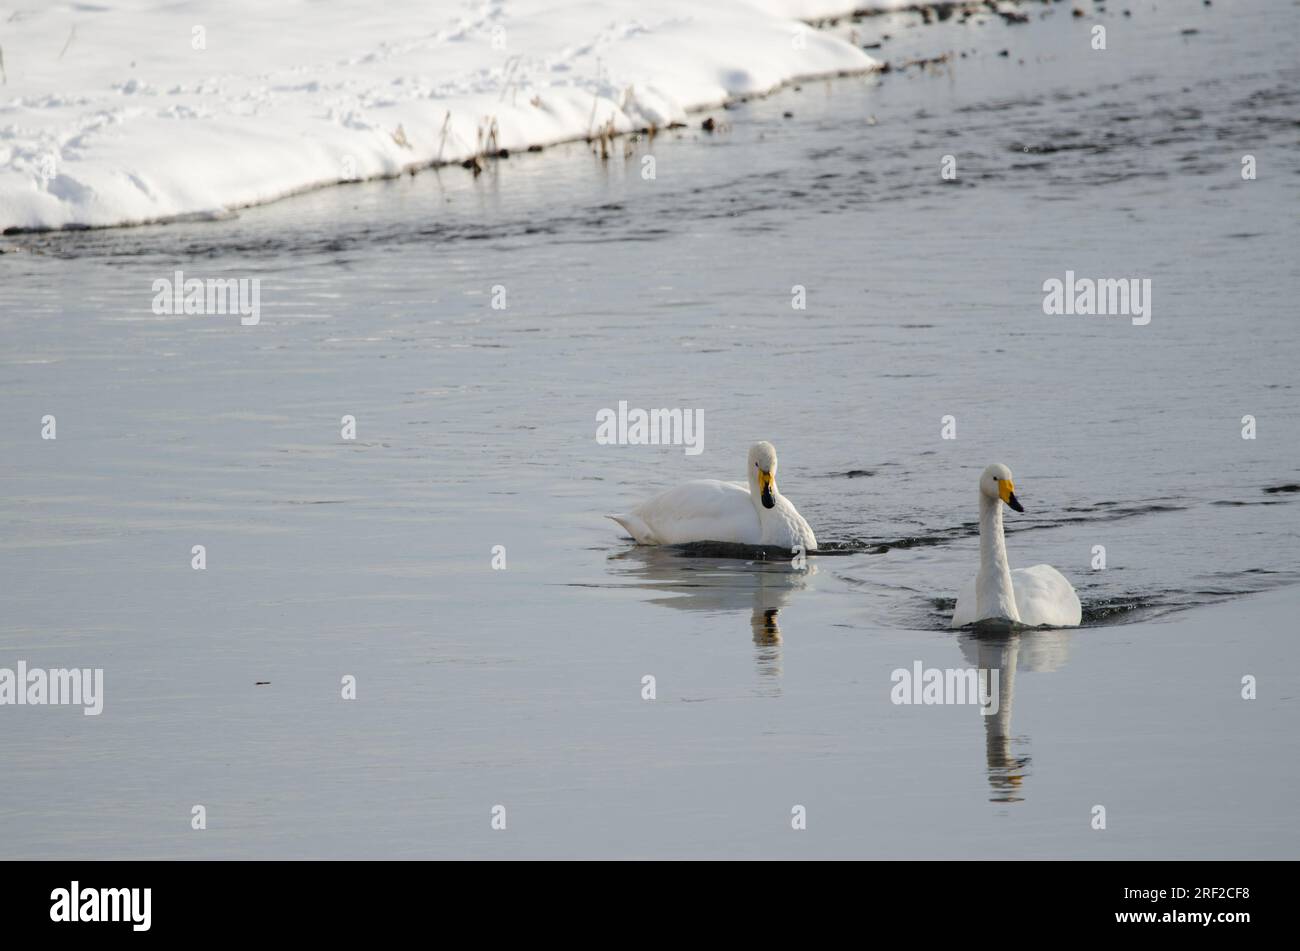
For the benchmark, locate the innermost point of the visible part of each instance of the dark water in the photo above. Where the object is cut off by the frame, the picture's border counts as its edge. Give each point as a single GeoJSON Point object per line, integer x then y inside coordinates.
{"type": "Point", "coordinates": [476, 428]}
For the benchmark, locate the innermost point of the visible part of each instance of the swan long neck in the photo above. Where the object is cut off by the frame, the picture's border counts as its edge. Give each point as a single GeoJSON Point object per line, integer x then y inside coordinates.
{"type": "Point", "coordinates": [994, 594]}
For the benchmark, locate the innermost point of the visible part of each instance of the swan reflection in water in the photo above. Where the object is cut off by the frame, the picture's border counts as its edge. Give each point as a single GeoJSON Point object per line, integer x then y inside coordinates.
{"type": "Point", "coordinates": [695, 579]}
{"type": "Point", "coordinates": [1036, 651]}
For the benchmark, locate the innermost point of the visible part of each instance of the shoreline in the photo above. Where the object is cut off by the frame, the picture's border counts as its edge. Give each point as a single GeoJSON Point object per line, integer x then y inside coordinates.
{"type": "Point", "coordinates": [631, 106]}
{"type": "Point", "coordinates": [417, 168]}
{"type": "Point", "coordinates": [506, 132]}
{"type": "Point", "coordinates": [200, 134]}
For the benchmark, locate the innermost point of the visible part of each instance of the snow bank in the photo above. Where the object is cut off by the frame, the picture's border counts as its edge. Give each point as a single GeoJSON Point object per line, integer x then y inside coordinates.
{"type": "Point", "coordinates": [127, 111]}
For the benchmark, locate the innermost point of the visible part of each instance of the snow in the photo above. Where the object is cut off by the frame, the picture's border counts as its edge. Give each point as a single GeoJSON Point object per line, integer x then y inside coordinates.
{"type": "Point", "coordinates": [127, 111]}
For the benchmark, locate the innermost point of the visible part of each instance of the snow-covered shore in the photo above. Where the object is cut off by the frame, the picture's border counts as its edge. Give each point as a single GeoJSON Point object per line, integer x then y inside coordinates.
{"type": "Point", "coordinates": [142, 110]}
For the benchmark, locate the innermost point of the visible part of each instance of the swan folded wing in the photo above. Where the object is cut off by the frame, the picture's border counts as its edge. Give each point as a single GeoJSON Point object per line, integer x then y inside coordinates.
{"type": "Point", "coordinates": [790, 528]}
{"type": "Point", "coordinates": [1045, 597]}
{"type": "Point", "coordinates": [699, 511]}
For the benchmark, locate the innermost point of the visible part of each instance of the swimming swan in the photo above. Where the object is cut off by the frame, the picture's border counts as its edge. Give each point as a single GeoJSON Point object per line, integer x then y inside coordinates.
{"type": "Point", "coordinates": [707, 510]}
{"type": "Point", "coordinates": [1031, 596]}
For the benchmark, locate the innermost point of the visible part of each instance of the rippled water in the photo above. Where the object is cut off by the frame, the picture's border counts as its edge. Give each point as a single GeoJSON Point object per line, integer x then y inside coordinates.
{"type": "Point", "coordinates": [476, 428]}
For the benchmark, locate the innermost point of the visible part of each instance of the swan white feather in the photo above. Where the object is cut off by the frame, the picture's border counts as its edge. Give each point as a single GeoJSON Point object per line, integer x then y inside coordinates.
{"type": "Point", "coordinates": [715, 511]}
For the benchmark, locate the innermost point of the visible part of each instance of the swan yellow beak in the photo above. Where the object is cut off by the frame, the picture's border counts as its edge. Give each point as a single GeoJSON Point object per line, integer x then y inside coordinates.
{"type": "Point", "coordinates": [766, 485]}
{"type": "Point", "coordinates": [1007, 492]}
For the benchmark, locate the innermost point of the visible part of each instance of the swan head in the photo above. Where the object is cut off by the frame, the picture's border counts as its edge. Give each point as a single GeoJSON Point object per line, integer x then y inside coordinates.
{"type": "Point", "coordinates": [996, 484]}
{"type": "Point", "coordinates": [762, 472]}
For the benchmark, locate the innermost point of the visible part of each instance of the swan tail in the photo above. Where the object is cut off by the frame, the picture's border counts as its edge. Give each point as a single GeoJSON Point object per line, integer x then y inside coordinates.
{"type": "Point", "coordinates": [638, 529]}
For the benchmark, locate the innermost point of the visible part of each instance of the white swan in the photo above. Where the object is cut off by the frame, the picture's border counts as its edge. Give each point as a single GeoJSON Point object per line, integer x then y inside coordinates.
{"type": "Point", "coordinates": [1034, 596]}
{"type": "Point", "coordinates": [707, 510]}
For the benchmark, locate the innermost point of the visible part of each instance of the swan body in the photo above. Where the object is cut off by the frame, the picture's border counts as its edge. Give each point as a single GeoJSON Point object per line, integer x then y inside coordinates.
{"type": "Point", "coordinates": [1034, 597]}
{"type": "Point", "coordinates": [1042, 596]}
{"type": "Point", "coordinates": [707, 510]}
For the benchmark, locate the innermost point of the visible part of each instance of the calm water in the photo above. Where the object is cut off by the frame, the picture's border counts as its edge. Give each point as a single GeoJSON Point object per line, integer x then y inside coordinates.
{"type": "Point", "coordinates": [476, 428]}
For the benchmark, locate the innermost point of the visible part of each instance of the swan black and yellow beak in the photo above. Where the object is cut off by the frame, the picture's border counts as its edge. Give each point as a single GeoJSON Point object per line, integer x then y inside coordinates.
{"type": "Point", "coordinates": [1007, 492]}
{"type": "Point", "coordinates": [767, 486]}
